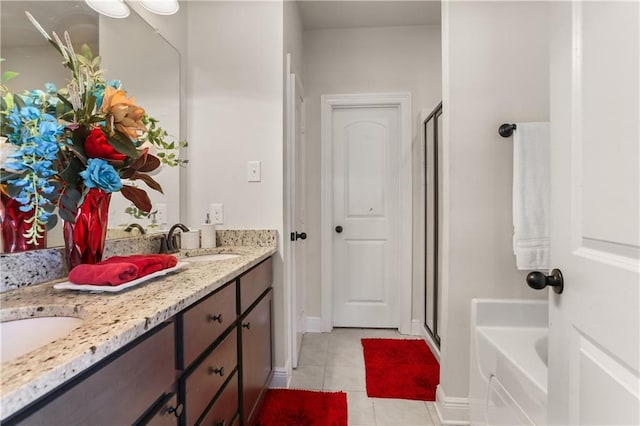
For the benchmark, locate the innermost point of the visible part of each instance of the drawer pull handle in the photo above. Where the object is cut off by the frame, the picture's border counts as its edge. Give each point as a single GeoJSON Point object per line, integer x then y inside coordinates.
{"type": "Point", "coordinates": [215, 318]}
{"type": "Point", "coordinates": [177, 411]}
{"type": "Point", "coordinates": [218, 371]}
{"type": "Point", "coordinates": [247, 325]}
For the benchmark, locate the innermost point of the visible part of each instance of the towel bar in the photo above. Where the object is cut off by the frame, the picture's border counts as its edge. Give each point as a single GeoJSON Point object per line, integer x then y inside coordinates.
{"type": "Point", "coordinates": [506, 130]}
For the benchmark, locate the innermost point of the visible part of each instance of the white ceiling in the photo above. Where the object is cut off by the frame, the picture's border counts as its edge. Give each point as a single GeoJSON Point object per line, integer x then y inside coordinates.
{"type": "Point", "coordinates": [322, 14]}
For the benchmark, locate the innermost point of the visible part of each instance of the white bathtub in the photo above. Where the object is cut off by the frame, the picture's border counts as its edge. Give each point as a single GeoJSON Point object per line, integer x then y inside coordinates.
{"type": "Point", "coordinates": [508, 375]}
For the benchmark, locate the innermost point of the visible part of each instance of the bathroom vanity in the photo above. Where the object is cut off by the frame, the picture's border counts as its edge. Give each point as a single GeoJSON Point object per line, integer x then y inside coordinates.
{"type": "Point", "coordinates": [193, 347]}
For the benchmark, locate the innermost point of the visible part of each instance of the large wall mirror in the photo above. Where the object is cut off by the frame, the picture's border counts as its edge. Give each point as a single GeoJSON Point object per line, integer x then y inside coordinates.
{"type": "Point", "coordinates": [131, 50]}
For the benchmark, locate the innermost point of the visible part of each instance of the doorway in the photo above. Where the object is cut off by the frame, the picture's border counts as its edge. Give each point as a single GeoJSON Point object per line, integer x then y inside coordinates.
{"type": "Point", "coordinates": [366, 211]}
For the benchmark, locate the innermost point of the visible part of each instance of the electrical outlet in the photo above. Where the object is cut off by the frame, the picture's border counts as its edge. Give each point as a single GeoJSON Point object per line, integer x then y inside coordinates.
{"type": "Point", "coordinates": [217, 213]}
{"type": "Point", "coordinates": [161, 214]}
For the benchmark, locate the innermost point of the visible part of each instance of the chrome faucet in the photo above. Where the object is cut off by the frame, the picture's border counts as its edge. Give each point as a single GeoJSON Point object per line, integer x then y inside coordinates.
{"type": "Point", "coordinates": [133, 226]}
{"type": "Point", "coordinates": [169, 243]}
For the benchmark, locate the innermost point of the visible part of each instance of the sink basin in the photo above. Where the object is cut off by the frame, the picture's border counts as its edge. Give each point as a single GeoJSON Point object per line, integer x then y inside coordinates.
{"type": "Point", "coordinates": [21, 336]}
{"type": "Point", "coordinates": [211, 257]}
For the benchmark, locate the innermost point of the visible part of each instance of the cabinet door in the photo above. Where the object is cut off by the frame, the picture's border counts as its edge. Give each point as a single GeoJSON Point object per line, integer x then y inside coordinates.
{"type": "Point", "coordinates": [119, 392]}
{"type": "Point", "coordinates": [257, 364]}
{"type": "Point", "coordinates": [225, 408]}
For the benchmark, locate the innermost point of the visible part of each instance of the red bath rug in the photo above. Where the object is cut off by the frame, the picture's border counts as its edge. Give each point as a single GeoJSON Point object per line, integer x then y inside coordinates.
{"type": "Point", "coordinates": [290, 407]}
{"type": "Point", "coordinates": [400, 368]}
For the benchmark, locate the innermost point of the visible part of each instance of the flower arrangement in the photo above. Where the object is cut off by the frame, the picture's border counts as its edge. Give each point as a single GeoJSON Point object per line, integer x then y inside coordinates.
{"type": "Point", "coordinates": [89, 134]}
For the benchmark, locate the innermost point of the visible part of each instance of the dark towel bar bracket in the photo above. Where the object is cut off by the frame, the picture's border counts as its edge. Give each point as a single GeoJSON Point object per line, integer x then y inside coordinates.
{"type": "Point", "coordinates": [506, 130]}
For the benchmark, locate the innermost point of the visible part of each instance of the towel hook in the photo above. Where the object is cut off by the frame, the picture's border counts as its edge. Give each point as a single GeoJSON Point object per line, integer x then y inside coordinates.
{"type": "Point", "coordinates": [506, 130]}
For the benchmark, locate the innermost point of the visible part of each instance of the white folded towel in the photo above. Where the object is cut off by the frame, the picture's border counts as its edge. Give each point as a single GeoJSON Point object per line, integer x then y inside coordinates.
{"type": "Point", "coordinates": [531, 195]}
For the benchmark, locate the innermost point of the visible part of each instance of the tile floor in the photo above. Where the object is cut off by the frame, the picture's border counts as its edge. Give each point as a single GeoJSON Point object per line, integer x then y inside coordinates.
{"type": "Point", "coordinates": [334, 361]}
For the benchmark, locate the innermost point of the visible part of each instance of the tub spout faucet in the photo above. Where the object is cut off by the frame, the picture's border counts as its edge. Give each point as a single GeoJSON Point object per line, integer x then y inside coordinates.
{"type": "Point", "coordinates": [169, 243]}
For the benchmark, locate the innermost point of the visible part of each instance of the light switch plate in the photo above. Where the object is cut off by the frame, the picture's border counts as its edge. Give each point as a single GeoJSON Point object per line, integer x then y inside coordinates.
{"type": "Point", "coordinates": [253, 171]}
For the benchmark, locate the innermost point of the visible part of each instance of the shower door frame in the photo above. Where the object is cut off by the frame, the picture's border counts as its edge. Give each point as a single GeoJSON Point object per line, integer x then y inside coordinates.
{"type": "Point", "coordinates": [435, 205]}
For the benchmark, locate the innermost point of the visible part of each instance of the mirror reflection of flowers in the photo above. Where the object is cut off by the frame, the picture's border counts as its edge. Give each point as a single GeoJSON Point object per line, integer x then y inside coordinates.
{"type": "Point", "coordinates": [90, 134]}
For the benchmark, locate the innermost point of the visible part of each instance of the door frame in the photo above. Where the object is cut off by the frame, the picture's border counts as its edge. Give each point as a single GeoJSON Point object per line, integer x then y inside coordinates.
{"type": "Point", "coordinates": [401, 101]}
{"type": "Point", "coordinates": [294, 88]}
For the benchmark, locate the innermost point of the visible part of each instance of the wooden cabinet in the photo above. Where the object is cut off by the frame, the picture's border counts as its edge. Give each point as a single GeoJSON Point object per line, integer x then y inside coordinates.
{"type": "Point", "coordinates": [225, 410]}
{"type": "Point", "coordinates": [254, 283]}
{"type": "Point", "coordinates": [257, 358]}
{"type": "Point", "coordinates": [118, 392]}
{"type": "Point", "coordinates": [209, 376]}
{"type": "Point", "coordinates": [209, 365]}
{"type": "Point", "coordinates": [204, 322]}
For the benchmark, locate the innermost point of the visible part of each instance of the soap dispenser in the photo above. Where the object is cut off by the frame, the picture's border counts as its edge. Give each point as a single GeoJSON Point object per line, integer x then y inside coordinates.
{"type": "Point", "coordinates": [208, 234]}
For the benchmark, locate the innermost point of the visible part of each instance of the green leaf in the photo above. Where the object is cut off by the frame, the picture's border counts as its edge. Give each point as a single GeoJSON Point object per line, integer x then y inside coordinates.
{"type": "Point", "coordinates": [91, 103]}
{"type": "Point", "coordinates": [67, 216]}
{"type": "Point", "coordinates": [52, 222]}
{"type": "Point", "coordinates": [85, 51]}
{"type": "Point", "coordinates": [5, 176]}
{"type": "Point", "coordinates": [121, 143]}
{"type": "Point", "coordinates": [65, 101]}
{"type": "Point", "coordinates": [8, 75]}
{"type": "Point", "coordinates": [13, 191]}
{"type": "Point", "coordinates": [18, 101]}
{"type": "Point", "coordinates": [71, 175]}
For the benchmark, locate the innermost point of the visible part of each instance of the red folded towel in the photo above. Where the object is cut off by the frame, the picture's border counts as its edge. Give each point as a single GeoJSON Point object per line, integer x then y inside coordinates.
{"type": "Point", "coordinates": [104, 274]}
{"type": "Point", "coordinates": [146, 263]}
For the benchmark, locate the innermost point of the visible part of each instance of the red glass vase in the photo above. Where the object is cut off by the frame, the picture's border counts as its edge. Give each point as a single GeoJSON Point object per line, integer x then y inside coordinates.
{"type": "Point", "coordinates": [84, 239]}
{"type": "Point", "coordinates": [14, 226]}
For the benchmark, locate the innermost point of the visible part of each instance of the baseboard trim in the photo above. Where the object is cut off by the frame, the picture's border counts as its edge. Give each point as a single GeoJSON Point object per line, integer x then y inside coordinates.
{"type": "Point", "coordinates": [451, 411]}
{"type": "Point", "coordinates": [416, 328]}
{"type": "Point", "coordinates": [281, 377]}
{"type": "Point", "coordinates": [432, 344]}
{"type": "Point", "coordinates": [313, 325]}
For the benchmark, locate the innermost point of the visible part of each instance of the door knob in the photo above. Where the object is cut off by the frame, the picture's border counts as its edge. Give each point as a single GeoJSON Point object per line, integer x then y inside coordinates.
{"type": "Point", "coordinates": [298, 236]}
{"type": "Point", "coordinates": [339, 229]}
{"type": "Point", "coordinates": [538, 280]}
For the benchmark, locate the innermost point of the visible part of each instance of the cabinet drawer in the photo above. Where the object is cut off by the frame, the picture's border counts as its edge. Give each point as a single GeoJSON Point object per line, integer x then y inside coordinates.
{"type": "Point", "coordinates": [121, 391]}
{"type": "Point", "coordinates": [254, 283]}
{"type": "Point", "coordinates": [205, 381]}
{"type": "Point", "coordinates": [226, 406]}
{"type": "Point", "coordinates": [204, 322]}
{"type": "Point", "coordinates": [166, 414]}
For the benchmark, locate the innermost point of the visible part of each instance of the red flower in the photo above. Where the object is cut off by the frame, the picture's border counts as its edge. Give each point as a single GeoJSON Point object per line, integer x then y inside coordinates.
{"type": "Point", "coordinates": [97, 146]}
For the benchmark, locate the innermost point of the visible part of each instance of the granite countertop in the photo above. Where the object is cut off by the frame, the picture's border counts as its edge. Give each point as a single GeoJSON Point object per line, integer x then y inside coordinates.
{"type": "Point", "coordinates": [111, 321]}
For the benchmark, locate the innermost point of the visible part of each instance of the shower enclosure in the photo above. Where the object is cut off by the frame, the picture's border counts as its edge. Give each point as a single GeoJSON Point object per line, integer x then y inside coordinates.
{"type": "Point", "coordinates": [433, 221]}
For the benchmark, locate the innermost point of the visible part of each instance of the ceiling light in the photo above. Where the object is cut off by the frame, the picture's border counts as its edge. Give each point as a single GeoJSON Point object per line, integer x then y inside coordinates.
{"type": "Point", "coordinates": [110, 8]}
{"type": "Point", "coordinates": [161, 7]}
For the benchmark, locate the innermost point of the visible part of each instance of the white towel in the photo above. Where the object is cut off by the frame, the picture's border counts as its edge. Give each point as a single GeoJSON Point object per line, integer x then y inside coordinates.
{"type": "Point", "coordinates": [531, 195]}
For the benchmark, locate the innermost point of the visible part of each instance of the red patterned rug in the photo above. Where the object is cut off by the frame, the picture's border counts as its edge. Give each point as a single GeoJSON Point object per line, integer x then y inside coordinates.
{"type": "Point", "coordinates": [400, 368]}
{"type": "Point", "coordinates": [290, 407]}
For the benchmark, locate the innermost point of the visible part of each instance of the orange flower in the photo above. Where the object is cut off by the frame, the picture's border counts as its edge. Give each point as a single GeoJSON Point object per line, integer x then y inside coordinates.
{"type": "Point", "coordinates": [127, 116]}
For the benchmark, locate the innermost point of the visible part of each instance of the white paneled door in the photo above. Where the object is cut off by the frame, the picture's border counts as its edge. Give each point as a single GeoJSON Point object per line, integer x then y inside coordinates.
{"type": "Point", "coordinates": [365, 146]}
{"type": "Point", "coordinates": [594, 330]}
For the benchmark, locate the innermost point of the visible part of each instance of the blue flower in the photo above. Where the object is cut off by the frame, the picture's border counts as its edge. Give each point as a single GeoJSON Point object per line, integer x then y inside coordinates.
{"type": "Point", "coordinates": [102, 175]}
{"type": "Point", "coordinates": [50, 88]}
{"type": "Point", "coordinates": [30, 112]}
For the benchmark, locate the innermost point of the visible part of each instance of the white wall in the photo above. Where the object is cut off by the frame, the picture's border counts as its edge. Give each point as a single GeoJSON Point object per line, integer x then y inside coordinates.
{"type": "Point", "coordinates": [495, 70]}
{"type": "Point", "coordinates": [234, 101]}
{"type": "Point", "coordinates": [367, 60]}
{"type": "Point", "coordinates": [155, 84]}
